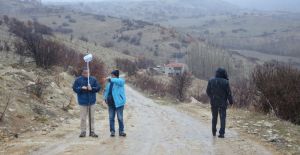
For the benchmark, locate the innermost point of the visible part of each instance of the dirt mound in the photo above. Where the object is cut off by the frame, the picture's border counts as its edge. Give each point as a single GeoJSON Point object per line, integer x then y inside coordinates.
{"type": "Point", "coordinates": [32, 99]}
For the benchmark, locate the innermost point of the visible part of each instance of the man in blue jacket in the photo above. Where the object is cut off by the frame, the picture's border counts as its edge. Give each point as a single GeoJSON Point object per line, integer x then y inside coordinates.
{"type": "Point", "coordinates": [86, 95]}
{"type": "Point", "coordinates": [219, 92]}
{"type": "Point", "coordinates": [114, 96]}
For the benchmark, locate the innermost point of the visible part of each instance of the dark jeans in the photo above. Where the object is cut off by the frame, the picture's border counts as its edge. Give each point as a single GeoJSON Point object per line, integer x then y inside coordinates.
{"type": "Point", "coordinates": [215, 110]}
{"type": "Point", "coordinates": [112, 110]}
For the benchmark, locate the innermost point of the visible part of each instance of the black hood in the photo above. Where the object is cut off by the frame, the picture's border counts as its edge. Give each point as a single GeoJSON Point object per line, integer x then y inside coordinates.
{"type": "Point", "coordinates": [221, 73]}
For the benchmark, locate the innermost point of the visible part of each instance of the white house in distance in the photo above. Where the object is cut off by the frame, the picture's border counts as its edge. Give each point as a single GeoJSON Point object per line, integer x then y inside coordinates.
{"type": "Point", "coordinates": [175, 68]}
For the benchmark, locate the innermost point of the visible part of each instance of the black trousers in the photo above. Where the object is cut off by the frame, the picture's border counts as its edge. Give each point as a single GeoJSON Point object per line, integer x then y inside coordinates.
{"type": "Point", "coordinates": [218, 110]}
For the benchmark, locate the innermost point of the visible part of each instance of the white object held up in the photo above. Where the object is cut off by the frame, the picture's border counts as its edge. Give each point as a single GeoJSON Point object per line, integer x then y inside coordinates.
{"type": "Point", "coordinates": [88, 58]}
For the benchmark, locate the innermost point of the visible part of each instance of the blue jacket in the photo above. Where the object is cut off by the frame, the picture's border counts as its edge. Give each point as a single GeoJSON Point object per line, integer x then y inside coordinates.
{"type": "Point", "coordinates": [85, 97]}
{"type": "Point", "coordinates": [118, 91]}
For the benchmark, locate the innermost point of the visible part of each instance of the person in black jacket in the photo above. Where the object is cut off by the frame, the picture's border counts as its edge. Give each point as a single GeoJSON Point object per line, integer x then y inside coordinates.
{"type": "Point", "coordinates": [219, 92]}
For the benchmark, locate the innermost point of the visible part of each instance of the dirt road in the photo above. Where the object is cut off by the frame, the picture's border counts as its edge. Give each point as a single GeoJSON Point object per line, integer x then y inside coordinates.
{"type": "Point", "coordinates": [152, 129]}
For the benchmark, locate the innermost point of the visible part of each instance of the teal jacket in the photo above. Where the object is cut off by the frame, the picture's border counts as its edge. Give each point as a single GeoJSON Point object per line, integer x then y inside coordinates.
{"type": "Point", "coordinates": [118, 91]}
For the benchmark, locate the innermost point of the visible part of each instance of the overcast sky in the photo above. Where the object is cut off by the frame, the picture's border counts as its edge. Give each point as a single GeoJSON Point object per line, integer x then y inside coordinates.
{"type": "Point", "coordinates": [284, 5]}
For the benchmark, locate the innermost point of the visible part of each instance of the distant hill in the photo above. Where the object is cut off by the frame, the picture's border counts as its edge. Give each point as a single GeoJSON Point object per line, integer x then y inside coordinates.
{"type": "Point", "coordinates": [155, 10]}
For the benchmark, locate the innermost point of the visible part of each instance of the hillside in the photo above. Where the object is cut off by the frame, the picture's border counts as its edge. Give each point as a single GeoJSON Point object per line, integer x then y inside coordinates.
{"type": "Point", "coordinates": [32, 99]}
{"type": "Point", "coordinates": [154, 10]}
{"type": "Point", "coordinates": [271, 32]}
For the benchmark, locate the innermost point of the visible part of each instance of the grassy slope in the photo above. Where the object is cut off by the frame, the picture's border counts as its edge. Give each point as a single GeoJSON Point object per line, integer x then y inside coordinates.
{"type": "Point", "coordinates": [99, 33]}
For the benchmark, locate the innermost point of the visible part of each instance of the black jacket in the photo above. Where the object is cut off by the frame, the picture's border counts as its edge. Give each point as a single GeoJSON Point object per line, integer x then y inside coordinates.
{"type": "Point", "coordinates": [218, 89]}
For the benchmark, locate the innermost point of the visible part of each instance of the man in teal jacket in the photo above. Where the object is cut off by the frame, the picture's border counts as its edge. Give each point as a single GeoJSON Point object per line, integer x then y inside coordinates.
{"type": "Point", "coordinates": [114, 96]}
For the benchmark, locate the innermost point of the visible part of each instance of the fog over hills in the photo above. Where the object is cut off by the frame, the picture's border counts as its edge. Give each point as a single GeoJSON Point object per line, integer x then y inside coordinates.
{"type": "Point", "coordinates": [268, 5]}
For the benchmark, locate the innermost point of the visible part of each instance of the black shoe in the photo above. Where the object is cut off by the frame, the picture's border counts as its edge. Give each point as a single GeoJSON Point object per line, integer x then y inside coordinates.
{"type": "Point", "coordinates": [112, 134]}
{"type": "Point", "coordinates": [122, 134]}
{"type": "Point", "coordinates": [82, 134]}
{"type": "Point", "coordinates": [92, 134]}
{"type": "Point", "coordinates": [221, 136]}
{"type": "Point", "coordinates": [214, 134]}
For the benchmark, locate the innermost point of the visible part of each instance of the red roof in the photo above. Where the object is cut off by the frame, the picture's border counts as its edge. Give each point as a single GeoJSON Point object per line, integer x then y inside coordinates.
{"type": "Point", "coordinates": [173, 65]}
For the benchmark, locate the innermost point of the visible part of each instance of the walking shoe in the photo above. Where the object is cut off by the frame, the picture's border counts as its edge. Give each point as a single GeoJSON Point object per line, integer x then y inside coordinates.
{"type": "Point", "coordinates": [92, 134]}
{"type": "Point", "coordinates": [112, 134]}
{"type": "Point", "coordinates": [214, 134]}
{"type": "Point", "coordinates": [122, 134]}
{"type": "Point", "coordinates": [82, 134]}
{"type": "Point", "coordinates": [221, 136]}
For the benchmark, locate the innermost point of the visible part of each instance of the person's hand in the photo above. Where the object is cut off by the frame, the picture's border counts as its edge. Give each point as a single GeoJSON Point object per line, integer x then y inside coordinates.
{"type": "Point", "coordinates": [108, 79]}
{"type": "Point", "coordinates": [84, 88]}
{"type": "Point", "coordinates": [89, 87]}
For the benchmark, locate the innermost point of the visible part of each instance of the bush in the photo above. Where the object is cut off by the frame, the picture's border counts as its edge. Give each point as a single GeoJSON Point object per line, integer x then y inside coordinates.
{"type": "Point", "coordinates": [243, 92]}
{"type": "Point", "coordinates": [65, 24]}
{"type": "Point", "coordinates": [20, 48]}
{"type": "Point", "coordinates": [64, 30]}
{"type": "Point", "coordinates": [151, 85]}
{"type": "Point", "coordinates": [277, 86]}
{"type": "Point", "coordinates": [100, 17]}
{"type": "Point", "coordinates": [126, 52]}
{"type": "Point", "coordinates": [144, 63]}
{"type": "Point", "coordinates": [6, 19]}
{"type": "Point", "coordinates": [48, 53]}
{"type": "Point", "coordinates": [43, 29]}
{"type": "Point", "coordinates": [37, 88]}
{"type": "Point", "coordinates": [203, 98]}
{"type": "Point", "coordinates": [83, 38]}
{"type": "Point", "coordinates": [108, 44]}
{"type": "Point", "coordinates": [180, 85]}
{"type": "Point", "coordinates": [72, 21]}
{"type": "Point", "coordinates": [175, 45]}
{"type": "Point", "coordinates": [68, 17]}
{"type": "Point", "coordinates": [126, 66]}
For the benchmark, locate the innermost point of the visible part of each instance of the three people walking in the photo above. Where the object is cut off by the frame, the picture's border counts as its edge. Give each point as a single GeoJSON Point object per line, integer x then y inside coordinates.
{"type": "Point", "coordinates": [218, 90]}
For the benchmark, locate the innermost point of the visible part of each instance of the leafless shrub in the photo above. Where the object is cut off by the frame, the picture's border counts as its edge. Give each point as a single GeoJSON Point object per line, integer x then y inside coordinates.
{"type": "Point", "coordinates": [175, 45]}
{"type": "Point", "coordinates": [135, 40]}
{"type": "Point", "coordinates": [243, 92]}
{"type": "Point", "coordinates": [20, 48]}
{"type": "Point", "coordinates": [37, 88]}
{"type": "Point", "coordinates": [144, 63]}
{"type": "Point", "coordinates": [6, 46]}
{"type": "Point", "coordinates": [126, 52]}
{"type": "Point", "coordinates": [108, 44]}
{"type": "Point", "coordinates": [42, 29]}
{"type": "Point", "coordinates": [83, 38]}
{"type": "Point", "coordinates": [72, 21]}
{"type": "Point", "coordinates": [7, 101]}
{"type": "Point", "coordinates": [203, 98]}
{"type": "Point", "coordinates": [64, 30]}
{"type": "Point", "coordinates": [148, 83]}
{"type": "Point", "coordinates": [180, 85]}
{"type": "Point", "coordinates": [6, 19]}
{"type": "Point", "coordinates": [127, 66]}
{"type": "Point", "coordinates": [277, 86]}
{"type": "Point", "coordinates": [65, 24]}
{"type": "Point", "coordinates": [48, 53]}
{"type": "Point", "coordinates": [100, 17]}
{"type": "Point", "coordinates": [68, 17]}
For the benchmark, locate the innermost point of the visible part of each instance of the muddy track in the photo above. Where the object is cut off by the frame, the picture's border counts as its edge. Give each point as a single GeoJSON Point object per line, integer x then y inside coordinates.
{"type": "Point", "coordinates": [152, 129]}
